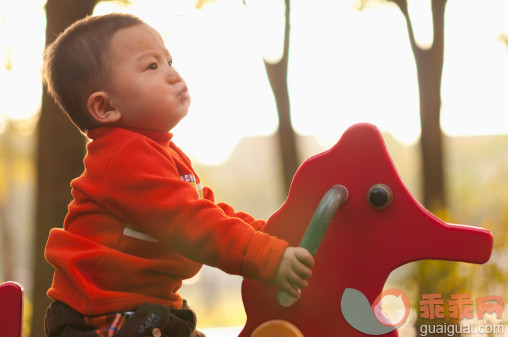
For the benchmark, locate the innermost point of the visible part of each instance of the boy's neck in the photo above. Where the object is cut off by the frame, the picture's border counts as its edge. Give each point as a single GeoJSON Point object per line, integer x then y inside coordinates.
{"type": "Point", "coordinates": [161, 137]}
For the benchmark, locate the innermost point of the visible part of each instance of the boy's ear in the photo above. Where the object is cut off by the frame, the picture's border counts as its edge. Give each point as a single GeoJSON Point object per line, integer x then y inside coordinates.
{"type": "Point", "coordinates": [100, 108]}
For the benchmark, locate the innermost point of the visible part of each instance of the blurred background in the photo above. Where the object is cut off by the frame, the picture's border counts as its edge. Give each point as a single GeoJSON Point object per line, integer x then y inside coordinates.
{"type": "Point", "coordinates": [273, 82]}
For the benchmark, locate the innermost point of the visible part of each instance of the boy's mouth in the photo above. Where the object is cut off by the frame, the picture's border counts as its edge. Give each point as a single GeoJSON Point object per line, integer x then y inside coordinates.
{"type": "Point", "coordinates": [184, 91]}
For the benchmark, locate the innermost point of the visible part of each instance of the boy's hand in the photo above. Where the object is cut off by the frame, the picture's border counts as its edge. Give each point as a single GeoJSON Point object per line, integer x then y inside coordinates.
{"type": "Point", "coordinates": [294, 269]}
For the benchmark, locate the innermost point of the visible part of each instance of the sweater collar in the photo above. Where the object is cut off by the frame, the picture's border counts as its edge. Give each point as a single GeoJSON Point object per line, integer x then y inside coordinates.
{"type": "Point", "coordinates": [161, 137]}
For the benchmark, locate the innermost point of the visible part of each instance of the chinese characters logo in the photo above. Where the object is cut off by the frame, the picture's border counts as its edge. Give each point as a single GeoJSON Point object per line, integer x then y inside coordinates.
{"type": "Point", "coordinates": [460, 306]}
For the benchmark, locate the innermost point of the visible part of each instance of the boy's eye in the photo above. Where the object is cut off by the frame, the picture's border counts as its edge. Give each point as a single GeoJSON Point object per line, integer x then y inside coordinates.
{"type": "Point", "coordinates": [153, 66]}
{"type": "Point", "coordinates": [170, 63]}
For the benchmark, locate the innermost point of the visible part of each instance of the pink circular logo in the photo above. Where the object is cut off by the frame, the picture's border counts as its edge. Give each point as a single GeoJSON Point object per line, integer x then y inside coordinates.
{"type": "Point", "coordinates": [391, 307]}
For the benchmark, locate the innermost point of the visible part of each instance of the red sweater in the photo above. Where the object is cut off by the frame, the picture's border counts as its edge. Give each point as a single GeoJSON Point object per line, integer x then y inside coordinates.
{"type": "Point", "coordinates": [140, 223]}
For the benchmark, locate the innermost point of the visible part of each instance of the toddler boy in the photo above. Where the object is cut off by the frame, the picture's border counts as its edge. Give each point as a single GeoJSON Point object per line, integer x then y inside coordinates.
{"type": "Point", "coordinates": [140, 221]}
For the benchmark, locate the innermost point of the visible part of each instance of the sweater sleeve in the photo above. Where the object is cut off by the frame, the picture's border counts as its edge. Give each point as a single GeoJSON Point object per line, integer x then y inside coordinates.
{"type": "Point", "coordinates": [143, 188]}
{"type": "Point", "coordinates": [257, 224]}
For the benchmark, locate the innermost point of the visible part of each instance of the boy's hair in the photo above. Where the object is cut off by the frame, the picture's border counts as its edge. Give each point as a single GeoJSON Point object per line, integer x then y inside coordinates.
{"type": "Point", "coordinates": [76, 64]}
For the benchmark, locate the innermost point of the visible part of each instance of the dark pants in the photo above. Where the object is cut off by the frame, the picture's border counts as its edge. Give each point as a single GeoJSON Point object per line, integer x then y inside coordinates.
{"type": "Point", "coordinates": [147, 321]}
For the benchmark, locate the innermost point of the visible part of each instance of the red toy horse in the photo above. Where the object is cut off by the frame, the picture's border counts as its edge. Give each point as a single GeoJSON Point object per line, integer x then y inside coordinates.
{"type": "Point", "coordinates": [378, 227]}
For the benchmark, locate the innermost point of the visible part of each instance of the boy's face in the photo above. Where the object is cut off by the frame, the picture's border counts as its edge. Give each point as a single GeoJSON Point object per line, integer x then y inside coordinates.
{"type": "Point", "coordinates": [144, 88]}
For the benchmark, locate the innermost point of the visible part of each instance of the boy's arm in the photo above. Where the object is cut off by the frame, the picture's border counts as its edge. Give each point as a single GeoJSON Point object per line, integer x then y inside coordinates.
{"type": "Point", "coordinates": [257, 224]}
{"type": "Point", "coordinates": [143, 188]}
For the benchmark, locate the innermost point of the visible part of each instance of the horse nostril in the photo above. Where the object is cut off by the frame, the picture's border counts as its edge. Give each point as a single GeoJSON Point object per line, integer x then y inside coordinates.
{"type": "Point", "coordinates": [380, 196]}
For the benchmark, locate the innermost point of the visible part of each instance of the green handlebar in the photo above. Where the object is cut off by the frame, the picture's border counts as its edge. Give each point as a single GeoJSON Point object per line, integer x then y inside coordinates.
{"type": "Point", "coordinates": [322, 217]}
{"type": "Point", "coordinates": [316, 229]}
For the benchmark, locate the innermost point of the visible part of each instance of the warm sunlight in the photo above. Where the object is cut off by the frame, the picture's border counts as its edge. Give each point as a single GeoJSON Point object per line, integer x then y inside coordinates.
{"type": "Point", "coordinates": [346, 66]}
{"type": "Point", "coordinates": [350, 61]}
{"type": "Point", "coordinates": [20, 58]}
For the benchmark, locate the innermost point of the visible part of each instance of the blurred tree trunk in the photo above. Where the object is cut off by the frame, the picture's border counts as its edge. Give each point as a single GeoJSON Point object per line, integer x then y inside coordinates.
{"type": "Point", "coordinates": [60, 159]}
{"type": "Point", "coordinates": [277, 75]}
{"type": "Point", "coordinates": [429, 64]}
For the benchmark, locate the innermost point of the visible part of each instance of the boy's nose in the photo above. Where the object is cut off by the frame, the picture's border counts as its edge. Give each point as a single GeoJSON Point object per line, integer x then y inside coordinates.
{"type": "Point", "coordinates": [173, 76]}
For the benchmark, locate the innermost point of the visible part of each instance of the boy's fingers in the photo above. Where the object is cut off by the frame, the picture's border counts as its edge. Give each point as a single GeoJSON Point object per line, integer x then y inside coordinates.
{"type": "Point", "coordinates": [301, 283]}
{"type": "Point", "coordinates": [293, 292]}
{"type": "Point", "coordinates": [304, 256]}
{"type": "Point", "coordinates": [297, 281]}
{"type": "Point", "coordinates": [301, 269]}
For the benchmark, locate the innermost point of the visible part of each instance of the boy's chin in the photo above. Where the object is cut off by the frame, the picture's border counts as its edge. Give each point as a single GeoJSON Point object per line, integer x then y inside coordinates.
{"type": "Point", "coordinates": [181, 116]}
{"type": "Point", "coordinates": [172, 125]}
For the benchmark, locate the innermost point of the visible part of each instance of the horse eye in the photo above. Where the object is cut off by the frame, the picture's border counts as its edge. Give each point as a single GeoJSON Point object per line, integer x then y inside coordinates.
{"type": "Point", "coordinates": [380, 196]}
